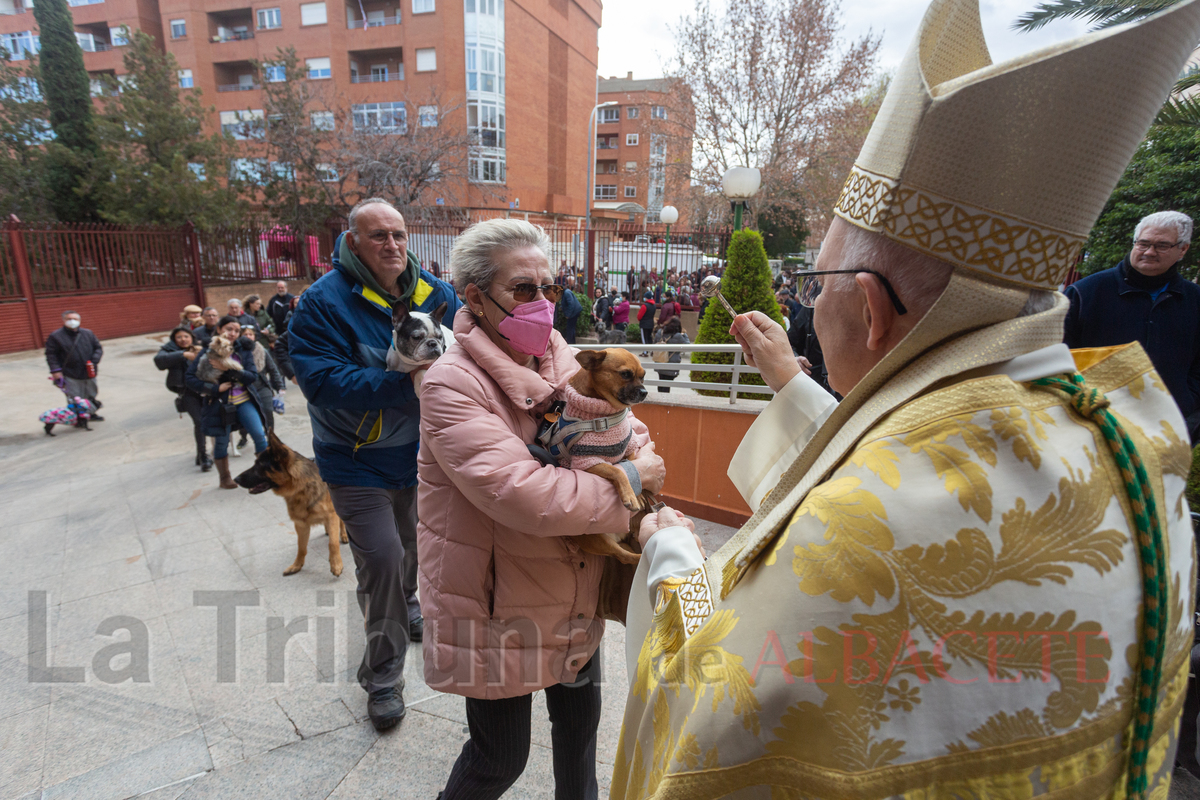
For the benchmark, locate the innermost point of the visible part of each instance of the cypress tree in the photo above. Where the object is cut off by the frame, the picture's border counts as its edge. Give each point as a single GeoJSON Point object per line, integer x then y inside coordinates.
{"type": "Point", "coordinates": [746, 284]}
{"type": "Point", "coordinates": [66, 88]}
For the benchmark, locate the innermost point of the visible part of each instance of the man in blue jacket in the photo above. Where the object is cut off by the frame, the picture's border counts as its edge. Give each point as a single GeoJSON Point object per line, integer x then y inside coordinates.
{"type": "Point", "coordinates": [1145, 299]}
{"type": "Point", "coordinates": [365, 424]}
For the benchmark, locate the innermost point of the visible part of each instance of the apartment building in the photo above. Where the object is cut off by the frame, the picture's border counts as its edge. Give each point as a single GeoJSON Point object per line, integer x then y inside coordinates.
{"type": "Point", "coordinates": [643, 154]}
{"type": "Point", "coordinates": [523, 73]}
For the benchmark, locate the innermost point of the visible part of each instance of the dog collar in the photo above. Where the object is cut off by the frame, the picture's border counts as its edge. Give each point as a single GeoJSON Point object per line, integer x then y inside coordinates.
{"type": "Point", "coordinates": [558, 433]}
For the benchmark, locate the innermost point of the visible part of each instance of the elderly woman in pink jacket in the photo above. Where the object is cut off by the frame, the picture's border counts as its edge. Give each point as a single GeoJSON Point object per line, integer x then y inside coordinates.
{"type": "Point", "coordinates": [509, 599]}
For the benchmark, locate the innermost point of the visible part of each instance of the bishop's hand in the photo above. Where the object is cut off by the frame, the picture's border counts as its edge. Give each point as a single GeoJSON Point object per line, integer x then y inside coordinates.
{"type": "Point", "coordinates": [765, 345]}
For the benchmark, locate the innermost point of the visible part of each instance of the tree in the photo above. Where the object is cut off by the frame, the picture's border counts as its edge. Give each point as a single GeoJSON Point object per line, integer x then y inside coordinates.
{"type": "Point", "coordinates": [23, 134]}
{"type": "Point", "coordinates": [156, 159]}
{"type": "Point", "coordinates": [746, 284]}
{"type": "Point", "coordinates": [67, 91]}
{"type": "Point", "coordinates": [783, 231]}
{"type": "Point", "coordinates": [1163, 175]}
{"type": "Point", "coordinates": [770, 87]}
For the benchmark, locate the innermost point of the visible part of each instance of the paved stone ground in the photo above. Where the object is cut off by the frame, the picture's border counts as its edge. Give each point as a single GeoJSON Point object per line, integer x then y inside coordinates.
{"type": "Point", "coordinates": [118, 522]}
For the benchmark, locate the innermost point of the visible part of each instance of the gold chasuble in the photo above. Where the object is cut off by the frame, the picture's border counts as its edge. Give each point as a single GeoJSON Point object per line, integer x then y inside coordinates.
{"type": "Point", "coordinates": [974, 579]}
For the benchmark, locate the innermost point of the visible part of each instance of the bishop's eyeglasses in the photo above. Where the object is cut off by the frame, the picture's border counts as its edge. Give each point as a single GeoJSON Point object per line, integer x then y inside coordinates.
{"type": "Point", "coordinates": [810, 285]}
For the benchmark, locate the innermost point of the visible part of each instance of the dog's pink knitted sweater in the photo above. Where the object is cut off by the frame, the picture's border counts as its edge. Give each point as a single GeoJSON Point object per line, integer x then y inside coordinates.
{"type": "Point", "coordinates": [597, 447]}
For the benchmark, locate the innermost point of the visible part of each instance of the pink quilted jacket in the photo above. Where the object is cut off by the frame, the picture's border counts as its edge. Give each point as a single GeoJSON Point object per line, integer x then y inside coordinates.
{"type": "Point", "coordinates": [509, 604]}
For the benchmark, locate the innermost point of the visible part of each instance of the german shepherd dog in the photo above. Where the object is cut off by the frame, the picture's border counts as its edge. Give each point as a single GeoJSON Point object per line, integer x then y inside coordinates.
{"type": "Point", "coordinates": [296, 479]}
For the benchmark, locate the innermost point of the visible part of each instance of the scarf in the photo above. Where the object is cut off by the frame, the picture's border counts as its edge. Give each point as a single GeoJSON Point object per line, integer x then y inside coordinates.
{"type": "Point", "coordinates": [358, 270]}
{"type": "Point", "coordinates": [1146, 283]}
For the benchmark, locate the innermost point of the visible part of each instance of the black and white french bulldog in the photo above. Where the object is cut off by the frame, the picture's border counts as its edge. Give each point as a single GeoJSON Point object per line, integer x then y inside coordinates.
{"type": "Point", "coordinates": [418, 339]}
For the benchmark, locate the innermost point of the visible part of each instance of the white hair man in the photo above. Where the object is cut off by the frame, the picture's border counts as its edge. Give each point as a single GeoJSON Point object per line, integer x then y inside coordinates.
{"type": "Point", "coordinates": [73, 353]}
{"type": "Point", "coordinates": [1144, 299]}
{"type": "Point", "coordinates": [972, 575]}
{"type": "Point", "coordinates": [365, 435]}
{"type": "Point", "coordinates": [279, 305]}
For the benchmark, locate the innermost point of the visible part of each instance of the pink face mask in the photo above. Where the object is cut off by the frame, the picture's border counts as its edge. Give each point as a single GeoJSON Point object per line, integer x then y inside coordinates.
{"type": "Point", "coordinates": [527, 327]}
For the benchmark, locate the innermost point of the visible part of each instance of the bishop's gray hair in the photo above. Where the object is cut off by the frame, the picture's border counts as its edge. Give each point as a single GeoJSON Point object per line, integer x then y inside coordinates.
{"type": "Point", "coordinates": [352, 219]}
{"type": "Point", "coordinates": [918, 279]}
{"type": "Point", "coordinates": [1182, 224]}
{"type": "Point", "coordinates": [473, 257]}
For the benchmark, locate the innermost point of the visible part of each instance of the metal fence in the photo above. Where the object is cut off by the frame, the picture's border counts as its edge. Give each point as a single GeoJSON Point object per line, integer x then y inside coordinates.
{"type": "Point", "coordinates": [732, 387]}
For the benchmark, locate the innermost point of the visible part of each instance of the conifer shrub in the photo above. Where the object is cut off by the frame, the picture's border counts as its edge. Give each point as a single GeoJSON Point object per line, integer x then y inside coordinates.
{"type": "Point", "coordinates": [747, 286]}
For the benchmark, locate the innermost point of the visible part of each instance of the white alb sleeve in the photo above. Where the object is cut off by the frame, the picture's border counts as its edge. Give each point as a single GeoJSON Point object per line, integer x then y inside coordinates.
{"type": "Point", "coordinates": [670, 553]}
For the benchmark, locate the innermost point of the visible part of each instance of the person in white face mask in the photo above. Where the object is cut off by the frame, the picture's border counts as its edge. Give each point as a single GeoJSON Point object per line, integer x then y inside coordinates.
{"type": "Point", "coordinates": [73, 354]}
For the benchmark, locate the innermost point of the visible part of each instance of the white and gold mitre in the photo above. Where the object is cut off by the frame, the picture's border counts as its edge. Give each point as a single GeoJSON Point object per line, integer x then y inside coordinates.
{"type": "Point", "coordinates": [1003, 169]}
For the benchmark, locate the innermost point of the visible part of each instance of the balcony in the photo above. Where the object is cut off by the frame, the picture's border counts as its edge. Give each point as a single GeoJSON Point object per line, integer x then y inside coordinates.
{"type": "Point", "coordinates": [76, 3]}
{"type": "Point", "coordinates": [379, 78]}
{"type": "Point", "coordinates": [12, 8]}
{"type": "Point", "coordinates": [232, 36]}
{"type": "Point", "coordinates": [236, 76]}
{"type": "Point", "coordinates": [359, 24]}
{"type": "Point", "coordinates": [238, 87]}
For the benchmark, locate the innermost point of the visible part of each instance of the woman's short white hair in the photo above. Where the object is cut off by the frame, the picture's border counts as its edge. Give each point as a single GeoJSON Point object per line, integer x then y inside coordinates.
{"type": "Point", "coordinates": [1182, 224]}
{"type": "Point", "coordinates": [473, 257]}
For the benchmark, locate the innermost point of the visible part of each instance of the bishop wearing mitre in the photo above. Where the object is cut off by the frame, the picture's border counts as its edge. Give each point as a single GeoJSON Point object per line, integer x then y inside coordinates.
{"type": "Point", "coordinates": [973, 576]}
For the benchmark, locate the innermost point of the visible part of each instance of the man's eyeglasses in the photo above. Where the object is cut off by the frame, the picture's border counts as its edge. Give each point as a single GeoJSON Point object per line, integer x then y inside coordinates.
{"type": "Point", "coordinates": [810, 285]}
{"type": "Point", "coordinates": [526, 292]}
{"type": "Point", "coordinates": [1158, 247]}
{"type": "Point", "coordinates": [382, 237]}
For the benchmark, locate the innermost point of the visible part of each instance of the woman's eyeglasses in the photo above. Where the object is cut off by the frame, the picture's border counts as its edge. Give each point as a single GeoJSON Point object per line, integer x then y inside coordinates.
{"type": "Point", "coordinates": [810, 285]}
{"type": "Point", "coordinates": [526, 292]}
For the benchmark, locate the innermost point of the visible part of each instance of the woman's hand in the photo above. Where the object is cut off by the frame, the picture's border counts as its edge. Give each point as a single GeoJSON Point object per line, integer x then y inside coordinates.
{"type": "Point", "coordinates": [225, 387]}
{"type": "Point", "coordinates": [651, 469]}
{"type": "Point", "coordinates": [765, 345]}
{"type": "Point", "coordinates": [666, 517]}
{"type": "Point", "coordinates": [190, 355]}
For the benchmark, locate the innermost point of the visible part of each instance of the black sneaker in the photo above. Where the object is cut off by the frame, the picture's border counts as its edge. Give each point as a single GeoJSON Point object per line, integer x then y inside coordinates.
{"type": "Point", "coordinates": [386, 708]}
{"type": "Point", "coordinates": [97, 418]}
{"type": "Point", "coordinates": [206, 464]}
{"type": "Point", "coordinates": [416, 629]}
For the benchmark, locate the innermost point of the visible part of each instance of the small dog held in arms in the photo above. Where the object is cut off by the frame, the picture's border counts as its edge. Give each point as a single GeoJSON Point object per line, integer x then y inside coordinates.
{"type": "Point", "coordinates": [296, 479]}
{"type": "Point", "coordinates": [217, 361]}
{"type": "Point", "coordinates": [418, 339]}
{"type": "Point", "coordinates": [595, 432]}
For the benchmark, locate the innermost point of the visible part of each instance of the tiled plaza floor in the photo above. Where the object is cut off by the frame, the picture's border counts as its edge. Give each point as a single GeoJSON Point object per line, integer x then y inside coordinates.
{"type": "Point", "coordinates": [118, 526]}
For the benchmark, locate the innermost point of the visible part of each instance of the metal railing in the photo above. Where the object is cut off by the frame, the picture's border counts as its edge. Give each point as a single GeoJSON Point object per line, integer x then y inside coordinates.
{"type": "Point", "coordinates": [358, 24]}
{"type": "Point", "coordinates": [233, 37]}
{"type": "Point", "coordinates": [238, 87]}
{"type": "Point", "coordinates": [735, 370]}
{"type": "Point", "coordinates": [390, 76]}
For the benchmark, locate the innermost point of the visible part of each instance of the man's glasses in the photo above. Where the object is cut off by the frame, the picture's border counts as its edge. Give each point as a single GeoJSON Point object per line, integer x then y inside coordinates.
{"type": "Point", "coordinates": [1158, 247]}
{"type": "Point", "coordinates": [526, 292]}
{"type": "Point", "coordinates": [382, 237]}
{"type": "Point", "coordinates": [810, 285]}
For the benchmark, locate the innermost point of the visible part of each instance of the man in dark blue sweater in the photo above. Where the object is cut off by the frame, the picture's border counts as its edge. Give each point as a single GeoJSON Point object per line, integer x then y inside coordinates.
{"type": "Point", "coordinates": [365, 429]}
{"type": "Point", "coordinates": [1145, 299]}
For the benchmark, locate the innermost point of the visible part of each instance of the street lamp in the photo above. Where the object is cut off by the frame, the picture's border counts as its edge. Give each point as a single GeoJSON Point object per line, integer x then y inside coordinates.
{"type": "Point", "coordinates": [740, 184]}
{"type": "Point", "coordinates": [591, 167]}
{"type": "Point", "coordinates": [669, 215]}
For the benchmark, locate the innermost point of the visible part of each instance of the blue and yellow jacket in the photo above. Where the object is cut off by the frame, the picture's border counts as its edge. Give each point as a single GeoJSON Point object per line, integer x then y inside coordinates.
{"type": "Point", "coordinates": [365, 420]}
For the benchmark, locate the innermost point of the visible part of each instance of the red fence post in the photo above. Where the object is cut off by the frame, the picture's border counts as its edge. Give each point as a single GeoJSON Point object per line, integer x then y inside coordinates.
{"type": "Point", "coordinates": [189, 231]}
{"type": "Point", "coordinates": [24, 276]}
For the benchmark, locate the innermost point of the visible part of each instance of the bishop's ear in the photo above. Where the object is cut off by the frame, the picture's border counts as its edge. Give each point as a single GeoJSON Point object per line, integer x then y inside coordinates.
{"type": "Point", "coordinates": [399, 313]}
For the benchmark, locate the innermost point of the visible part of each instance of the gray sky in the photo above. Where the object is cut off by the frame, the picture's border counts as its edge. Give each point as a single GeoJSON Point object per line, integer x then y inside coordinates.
{"type": "Point", "coordinates": [635, 34]}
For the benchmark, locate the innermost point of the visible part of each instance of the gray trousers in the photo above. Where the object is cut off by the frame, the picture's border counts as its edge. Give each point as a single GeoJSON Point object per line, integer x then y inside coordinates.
{"type": "Point", "coordinates": [81, 387]}
{"type": "Point", "coordinates": [382, 527]}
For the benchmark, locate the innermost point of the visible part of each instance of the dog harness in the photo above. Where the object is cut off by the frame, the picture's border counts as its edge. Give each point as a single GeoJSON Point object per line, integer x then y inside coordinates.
{"type": "Point", "coordinates": [577, 441]}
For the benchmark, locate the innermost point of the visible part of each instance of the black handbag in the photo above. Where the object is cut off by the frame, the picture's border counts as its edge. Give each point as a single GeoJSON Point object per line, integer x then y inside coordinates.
{"type": "Point", "coordinates": [228, 414]}
{"type": "Point", "coordinates": [179, 404]}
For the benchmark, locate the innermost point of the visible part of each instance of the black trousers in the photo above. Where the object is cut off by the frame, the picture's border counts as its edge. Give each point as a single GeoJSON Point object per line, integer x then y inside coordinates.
{"type": "Point", "coordinates": [192, 403]}
{"type": "Point", "coordinates": [495, 755]}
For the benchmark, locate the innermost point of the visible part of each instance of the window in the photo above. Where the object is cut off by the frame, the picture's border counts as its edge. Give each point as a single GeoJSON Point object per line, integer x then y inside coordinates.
{"type": "Point", "coordinates": [631, 166]}
{"type": "Point", "coordinates": [631, 112]}
{"type": "Point", "coordinates": [87, 42]}
{"type": "Point", "coordinates": [485, 69]}
{"type": "Point", "coordinates": [198, 171]}
{"type": "Point", "coordinates": [274, 73]}
{"type": "Point", "coordinates": [485, 123]}
{"type": "Point", "coordinates": [312, 14]}
{"type": "Point", "coordinates": [21, 45]}
{"type": "Point", "coordinates": [246, 169]}
{"type": "Point", "coordinates": [269, 19]}
{"type": "Point", "coordinates": [606, 143]}
{"type": "Point", "coordinates": [631, 139]}
{"type": "Point", "coordinates": [321, 120]}
{"type": "Point", "coordinates": [631, 191]}
{"type": "Point", "coordinates": [327, 173]}
{"type": "Point", "coordinates": [126, 82]}
{"type": "Point", "coordinates": [606, 192]}
{"type": "Point", "coordinates": [242, 124]}
{"type": "Point", "coordinates": [282, 170]}
{"type": "Point", "coordinates": [484, 6]}
{"type": "Point", "coordinates": [426, 60]}
{"type": "Point", "coordinates": [379, 73]}
{"type": "Point", "coordinates": [658, 112]}
{"type": "Point", "coordinates": [427, 116]}
{"type": "Point", "coordinates": [178, 28]}
{"type": "Point", "coordinates": [610, 115]}
{"type": "Point", "coordinates": [381, 117]}
{"type": "Point", "coordinates": [486, 169]}
{"type": "Point", "coordinates": [423, 6]}
{"type": "Point", "coordinates": [318, 68]}
{"type": "Point", "coordinates": [119, 36]}
{"type": "Point", "coordinates": [185, 79]}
